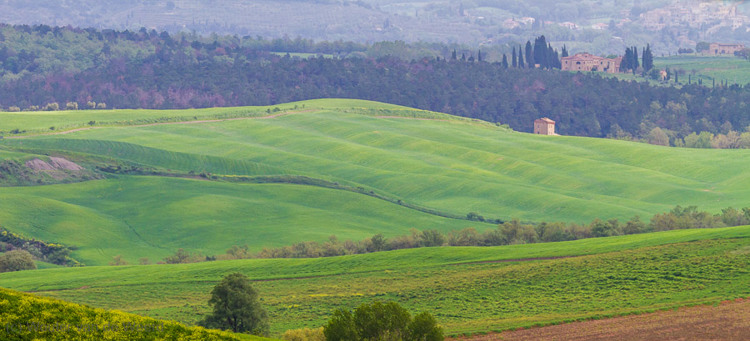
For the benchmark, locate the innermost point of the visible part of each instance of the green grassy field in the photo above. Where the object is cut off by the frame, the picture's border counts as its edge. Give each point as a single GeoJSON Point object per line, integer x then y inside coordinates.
{"type": "Point", "coordinates": [707, 68]}
{"type": "Point", "coordinates": [468, 289]}
{"type": "Point", "coordinates": [153, 216]}
{"type": "Point", "coordinates": [442, 163]}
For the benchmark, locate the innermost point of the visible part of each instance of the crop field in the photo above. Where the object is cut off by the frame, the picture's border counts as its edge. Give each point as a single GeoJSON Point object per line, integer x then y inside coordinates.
{"type": "Point", "coordinates": [468, 289]}
{"type": "Point", "coordinates": [393, 169]}
{"type": "Point", "coordinates": [729, 320]}
{"type": "Point", "coordinates": [707, 68]}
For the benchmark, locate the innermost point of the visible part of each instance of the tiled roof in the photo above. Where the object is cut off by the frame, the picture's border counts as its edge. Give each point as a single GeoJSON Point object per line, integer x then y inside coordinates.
{"type": "Point", "coordinates": [584, 57]}
{"type": "Point", "coordinates": [545, 120]}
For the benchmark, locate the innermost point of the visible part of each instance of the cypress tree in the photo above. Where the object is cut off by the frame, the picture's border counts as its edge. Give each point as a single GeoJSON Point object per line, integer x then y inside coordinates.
{"type": "Point", "coordinates": [556, 63]}
{"type": "Point", "coordinates": [479, 56]}
{"type": "Point", "coordinates": [564, 51]}
{"type": "Point", "coordinates": [530, 55]}
{"type": "Point", "coordinates": [541, 53]}
{"type": "Point", "coordinates": [626, 63]}
{"type": "Point", "coordinates": [520, 58]}
{"type": "Point", "coordinates": [514, 58]}
{"type": "Point", "coordinates": [453, 56]}
{"type": "Point", "coordinates": [635, 59]}
{"type": "Point", "coordinates": [551, 57]}
{"type": "Point", "coordinates": [505, 61]}
{"type": "Point", "coordinates": [648, 58]}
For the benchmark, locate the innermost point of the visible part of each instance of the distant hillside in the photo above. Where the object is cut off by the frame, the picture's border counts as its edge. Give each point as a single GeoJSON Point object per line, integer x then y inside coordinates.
{"type": "Point", "coordinates": [344, 167]}
{"type": "Point", "coordinates": [600, 27]}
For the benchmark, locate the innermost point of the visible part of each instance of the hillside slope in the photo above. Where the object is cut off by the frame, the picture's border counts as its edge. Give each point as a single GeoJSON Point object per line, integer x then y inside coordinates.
{"type": "Point", "coordinates": [384, 160]}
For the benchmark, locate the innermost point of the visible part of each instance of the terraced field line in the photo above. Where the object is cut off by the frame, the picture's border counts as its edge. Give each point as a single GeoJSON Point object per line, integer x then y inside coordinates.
{"type": "Point", "coordinates": [414, 118]}
{"type": "Point", "coordinates": [165, 123]}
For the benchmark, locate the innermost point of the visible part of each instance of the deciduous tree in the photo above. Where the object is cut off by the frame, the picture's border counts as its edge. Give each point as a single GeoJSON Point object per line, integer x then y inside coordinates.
{"type": "Point", "coordinates": [236, 307]}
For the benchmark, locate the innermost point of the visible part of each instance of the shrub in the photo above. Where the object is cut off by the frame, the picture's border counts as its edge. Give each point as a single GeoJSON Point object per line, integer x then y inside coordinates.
{"type": "Point", "coordinates": [182, 256]}
{"type": "Point", "coordinates": [304, 334]}
{"type": "Point", "coordinates": [71, 106]}
{"type": "Point", "coordinates": [430, 238]}
{"type": "Point", "coordinates": [14, 109]}
{"type": "Point", "coordinates": [52, 106]}
{"type": "Point", "coordinates": [16, 260]}
{"type": "Point", "coordinates": [381, 321]}
{"type": "Point", "coordinates": [117, 261]}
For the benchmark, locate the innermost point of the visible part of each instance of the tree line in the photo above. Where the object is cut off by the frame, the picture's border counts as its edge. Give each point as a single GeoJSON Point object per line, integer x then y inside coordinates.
{"type": "Point", "coordinates": [506, 233]}
{"type": "Point", "coordinates": [158, 71]}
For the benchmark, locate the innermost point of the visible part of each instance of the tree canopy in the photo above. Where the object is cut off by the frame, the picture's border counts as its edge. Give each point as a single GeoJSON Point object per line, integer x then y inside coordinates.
{"type": "Point", "coordinates": [381, 321]}
{"type": "Point", "coordinates": [236, 307]}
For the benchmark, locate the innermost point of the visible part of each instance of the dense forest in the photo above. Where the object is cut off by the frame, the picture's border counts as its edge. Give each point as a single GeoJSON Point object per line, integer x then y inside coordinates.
{"type": "Point", "coordinates": [74, 68]}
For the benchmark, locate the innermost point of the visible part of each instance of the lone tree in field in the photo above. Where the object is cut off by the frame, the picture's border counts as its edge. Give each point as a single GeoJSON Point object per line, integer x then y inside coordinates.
{"type": "Point", "coordinates": [381, 321]}
{"type": "Point", "coordinates": [236, 307]}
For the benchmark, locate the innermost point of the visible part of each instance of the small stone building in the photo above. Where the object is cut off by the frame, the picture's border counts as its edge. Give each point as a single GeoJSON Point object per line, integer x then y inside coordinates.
{"type": "Point", "coordinates": [590, 62]}
{"type": "Point", "coordinates": [719, 49]}
{"type": "Point", "coordinates": [544, 126]}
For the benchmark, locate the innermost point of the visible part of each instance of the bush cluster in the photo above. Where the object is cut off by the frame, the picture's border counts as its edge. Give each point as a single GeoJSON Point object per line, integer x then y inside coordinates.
{"type": "Point", "coordinates": [28, 317]}
{"type": "Point", "coordinates": [49, 252]}
{"type": "Point", "coordinates": [507, 233]}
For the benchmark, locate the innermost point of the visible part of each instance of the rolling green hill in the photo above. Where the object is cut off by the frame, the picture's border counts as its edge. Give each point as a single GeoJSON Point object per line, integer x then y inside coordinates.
{"type": "Point", "coordinates": [468, 289]}
{"type": "Point", "coordinates": [152, 216]}
{"type": "Point", "coordinates": [437, 163]}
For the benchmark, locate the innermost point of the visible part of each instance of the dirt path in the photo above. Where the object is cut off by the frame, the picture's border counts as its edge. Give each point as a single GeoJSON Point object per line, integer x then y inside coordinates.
{"type": "Point", "coordinates": [727, 321]}
{"type": "Point", "coordinates": [165, 123]}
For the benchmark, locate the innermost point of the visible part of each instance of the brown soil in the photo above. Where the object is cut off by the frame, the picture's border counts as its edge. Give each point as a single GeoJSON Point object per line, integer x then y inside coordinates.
{"type": "Point", "coordinates": [56, 163]}
{"type": "Point", "coordinates": [39, 165]}
{"type": "Point", "coordinates": [727, 321]}
{"type": "Point", "coordinates": [60, 163]}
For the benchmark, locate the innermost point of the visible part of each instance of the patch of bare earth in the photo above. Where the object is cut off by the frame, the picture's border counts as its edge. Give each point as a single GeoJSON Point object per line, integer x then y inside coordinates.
{"type": "Point", "coordinates": [727, 321]}
{"type": "Point", "coordinates": [60, 163]}
{"type": "Point", "coordinates": [58, 168]}
{"type": "Point", "coordinates": [39, 165]}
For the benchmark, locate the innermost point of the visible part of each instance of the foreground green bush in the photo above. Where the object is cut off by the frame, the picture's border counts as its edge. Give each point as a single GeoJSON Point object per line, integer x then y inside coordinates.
{"type": "Point", "coordinates": [381, 321]}
{"type": "Point", "coordinates": [304, 334]}
{"type": "Point", "coordinates": [26, 317]}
